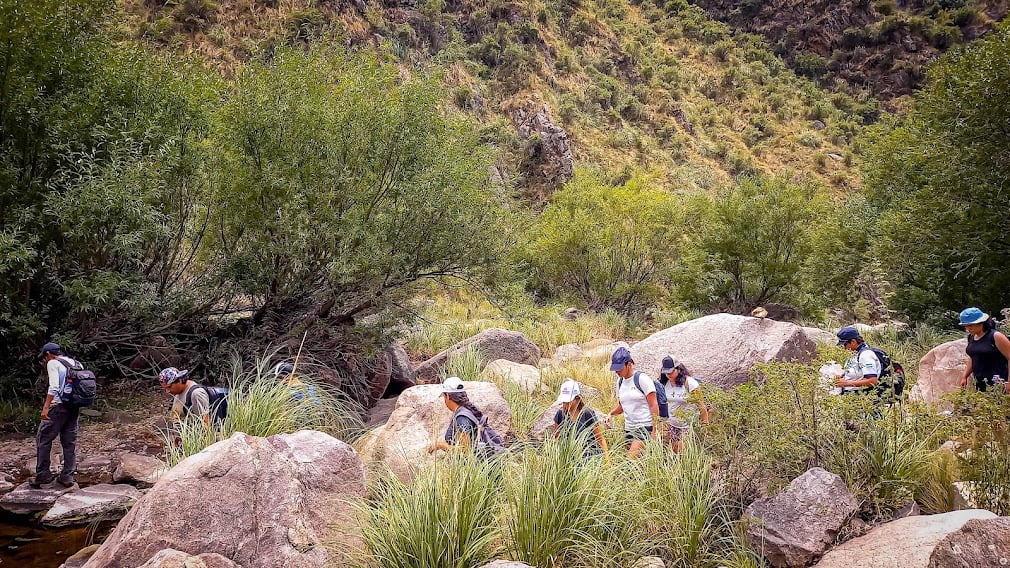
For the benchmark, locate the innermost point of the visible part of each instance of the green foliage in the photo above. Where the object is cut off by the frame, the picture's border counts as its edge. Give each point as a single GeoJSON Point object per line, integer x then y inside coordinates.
{"type": "Point", "coordinates": [606, 246]}
{"type": "Point", "coordinates": [940, 175]}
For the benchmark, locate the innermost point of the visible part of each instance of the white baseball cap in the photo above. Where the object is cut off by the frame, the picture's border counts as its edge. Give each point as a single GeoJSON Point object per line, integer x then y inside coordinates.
{"type": "Point", "coordinates": [453, 384]}
{"type": "Point", "coordinates": [569, 390]}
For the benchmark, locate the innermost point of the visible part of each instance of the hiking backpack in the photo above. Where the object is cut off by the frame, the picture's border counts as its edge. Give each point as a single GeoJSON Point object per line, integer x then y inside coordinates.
{"type": "Point", "coordinates": [489, 442]}
{"type": "Point", "coordinates": [661, 401]}
{"type": "Point", "coordinates": [80, 386]}
{"type": "Point", "coordinates": [218, 397]}
{"type": "Point", "coordinates": [892, 374]}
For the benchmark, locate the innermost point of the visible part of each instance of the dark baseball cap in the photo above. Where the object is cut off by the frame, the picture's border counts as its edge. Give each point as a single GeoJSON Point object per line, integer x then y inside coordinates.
{"type": "Point", "coordinates": [50, 347]}
{"type": "Point", "coordinates": [620, 358]}
{"type": "Point", "coordinates": [847, 334]}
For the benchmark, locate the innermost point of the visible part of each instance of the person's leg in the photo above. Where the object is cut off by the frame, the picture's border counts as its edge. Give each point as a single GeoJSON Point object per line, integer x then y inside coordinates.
{"type": "Point", "coordinates": [68, 439]}
{"type": "Point", "coordinates": [639, 437]}
{"type": "Point", "coordinates": [47, 433]}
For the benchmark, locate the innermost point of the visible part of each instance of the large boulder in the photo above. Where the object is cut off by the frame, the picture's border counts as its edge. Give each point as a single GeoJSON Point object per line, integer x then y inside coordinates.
{"type": "Point", "coordinates": [286, 500]}
{"type": "Point", "coordinates": [800, 523]}
{"type": "Point", "coordinates": [403, 375]}
{"type": "Point", "coordinates": [526, 377]}
{"type": "Point", "coordinates": [138, 469]}
{"type": "Point", "coordinates": [904, 543]}
{"type": "Point", "coordinates": [940, 371]}
{"type": "Point", "coordinates": [170, 558]}
{"type": "Point", "coordinates": [98, 502]}
{"type": "Point", "coordinates": [420, 418]}
{"type": "Point", "coordinates": [492, 344]}
{"type": "Point", "coordinates": [721, 348]}
{"type": "Point", "coordinates": [980, 542]}
{"type": "Point", "coordinates": [25, 500]}
{"type": "Point", "coordinates": [96, 468]}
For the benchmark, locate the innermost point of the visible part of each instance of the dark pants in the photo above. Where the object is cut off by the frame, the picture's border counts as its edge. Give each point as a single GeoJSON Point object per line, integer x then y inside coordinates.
{"type": "Point", "coordinates": [62, 422]}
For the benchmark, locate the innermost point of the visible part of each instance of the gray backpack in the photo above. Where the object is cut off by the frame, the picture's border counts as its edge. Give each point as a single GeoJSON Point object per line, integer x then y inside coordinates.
{"type": "Point", "coordinates": [489, 441]}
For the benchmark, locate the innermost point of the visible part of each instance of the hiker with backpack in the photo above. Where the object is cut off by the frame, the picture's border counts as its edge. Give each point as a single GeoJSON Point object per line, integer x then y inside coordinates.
{"type": "Point", "coordinates": [574, 418]}
{"type": "Point", "coordinates": [678, 385]}
{"type": "Point", "coordinates": [637, 400]}
{"type": "Point", "coordinates": [468, 429]}
{"type": "Point", "coordinates": [861, 371]}
{"type": "Point", "coordinates": [71, 387]}
{"type": "Point", "coordinates": [988, 351]}
{"type": "Point", "coordinates": [192, 399]}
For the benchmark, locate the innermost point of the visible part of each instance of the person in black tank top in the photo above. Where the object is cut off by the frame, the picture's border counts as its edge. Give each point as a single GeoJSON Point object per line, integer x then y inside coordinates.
{"type": "Point", "coordinates": [988, 351]}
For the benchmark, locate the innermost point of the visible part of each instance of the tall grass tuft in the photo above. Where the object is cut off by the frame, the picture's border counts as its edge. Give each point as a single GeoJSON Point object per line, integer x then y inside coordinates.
{"type": "Point", "coordinates": [444, 519]}
{"type": "Point", "coordinates": [465, 364]}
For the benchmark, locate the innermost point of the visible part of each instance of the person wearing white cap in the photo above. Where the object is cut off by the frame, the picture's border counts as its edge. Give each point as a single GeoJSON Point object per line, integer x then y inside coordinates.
{"type": "Point", "coordinates": [468, 429]}
{"type": "Point", "coordinates": [574, 418]}
{"type": "Point", "coordinates": [988, 351]}
{"type": "Point", "coordinates": [679, 385]}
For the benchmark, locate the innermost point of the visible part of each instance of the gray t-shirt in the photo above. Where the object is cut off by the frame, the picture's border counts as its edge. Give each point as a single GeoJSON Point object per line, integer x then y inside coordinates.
{"type": "Point", "coordinates": [199, 402]}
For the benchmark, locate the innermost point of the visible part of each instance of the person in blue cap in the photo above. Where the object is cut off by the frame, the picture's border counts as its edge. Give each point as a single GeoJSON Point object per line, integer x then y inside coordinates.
{"type": "Point", "coordinates": [862, 370]}
{"type": "Point", "coordinates": [59, 420]}
{"type": "Point", "coordinates": [637, 400]}
{"type": "Point", "coordinates": [988, 351]}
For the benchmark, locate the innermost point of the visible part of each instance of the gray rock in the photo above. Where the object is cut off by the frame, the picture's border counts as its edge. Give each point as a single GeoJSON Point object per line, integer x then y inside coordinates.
{"type": "Point", "coordinates": [79, 558]}
{"type": "Point", "coordinates": [170, 558]}
{"type": "Point", "coordinates": [571, 314]}
{"type": "Point", "coordinates": [95, 469]}
{"type": "Point", "coordinates": [526, 377]}
{"type": "Point", "coordinates": [821, 336]}
{"type": "Point", "coordinates": [105, 502]}
{"type": "Point", "coordinates": [818, 125]}
{"type": "Point", "coordinates": [649, 562]}
{"type": "Point", "coordinates": [979, 542]}
{"type": "Point", "coordinates": [261, 502]}
{"type": "Point", "coordinates": [721, 348]}
{"type": "Point", "coordinates": [905, 543]}
{"type": "Point", "coordinates": [940, 371]}
{"type": "Point", "coordinates": [140, 470]}
{"type": "Point", "coordinates": [550, 160]}
{"type": "Point", "coordinates": [492, 344]}
{"type": "Point", "coordinates": [567, 352]}
{"type": "Point", "coordinates": [403, 375]}
{"type": "Point", "coordinates": [835, 157]}
{"type": "Point", "coordinates": [506, 564]}
{"type": "Point", "coordinates": [800, 523]}
{"type": "Point", "coordinates": [24, 500]}
{"type": "Point", "coordinates": [6, 486]}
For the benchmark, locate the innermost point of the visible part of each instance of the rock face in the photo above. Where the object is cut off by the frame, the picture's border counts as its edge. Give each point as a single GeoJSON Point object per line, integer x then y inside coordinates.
{"type": "Point", "coordinates": [492, 344]}
{"type": "Point", "coordinates": [106, 502]}
{"type": "Point", "coordinates": [544, 426]}
{"type": "Point", "coordinates": [905, 543]}
{"type": "Point", "coordinates": [818, 335]}
{"type": "Point", "coordinates": [721, 348]}
{"type": "Point", "coordinates": [138, 469]}
{"type": "Point", "coordinates": [170, 558]}
{"type": "Point", "coordinates": [24, 500]}
{"type": "Point", "coordinates": [801, 522]}
{"type": "Point", "coordinates": [940, 371]}
{"type": "Point", "coordinates": [285, 500]}
{"type": "Point", "coordinates": [526, 377]}
{"type": "Point", "coordinates": [420, 418]}
{"type": "Point", "coordinates": [549, 161]}
{"type": "Point", "coordinates": [95, 469]}
{"type": "Point", "coordinates": [980, 542]}
{"type": "Point", "coordinates": [403, 375]}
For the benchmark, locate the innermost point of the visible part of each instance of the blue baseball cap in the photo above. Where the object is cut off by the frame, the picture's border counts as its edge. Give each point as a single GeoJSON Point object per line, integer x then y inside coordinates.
{"type": "Point", "coordinates": [50, 347]}
{"type": "Point", "coordinates": [620, 358]}
{"type": "Point", "coordinates": [847, 334]}
{"type": "Point", "coordinates": [972, 315]}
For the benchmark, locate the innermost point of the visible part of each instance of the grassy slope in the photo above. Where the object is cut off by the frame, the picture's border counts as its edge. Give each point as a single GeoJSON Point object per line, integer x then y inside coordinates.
{"type": "Point", "coordinates": [636, 86]}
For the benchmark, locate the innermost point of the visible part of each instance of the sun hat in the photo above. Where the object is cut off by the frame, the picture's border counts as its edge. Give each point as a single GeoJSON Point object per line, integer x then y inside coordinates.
{"type": "Point", "coordinates": [669, 364]}
{"type": "Point", "coordinates": [453, 384]}
{"type": "Point", "coordinates": [569, 390]}
{"type": "Point", "coordinates": [620, 358]}
{"type": "Point", "coordinates": [972, 315]}
{"type": "Point", "coordinates": [172, 375]}
{"type": "Point", "coordinates": [847, 334]}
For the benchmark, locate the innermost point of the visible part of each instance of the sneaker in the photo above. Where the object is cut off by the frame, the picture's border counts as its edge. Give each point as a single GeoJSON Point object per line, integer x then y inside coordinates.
{"type": "Point", "coordinates": [66, 479]}
{"type": "Point", "coordinates": [38, 482]}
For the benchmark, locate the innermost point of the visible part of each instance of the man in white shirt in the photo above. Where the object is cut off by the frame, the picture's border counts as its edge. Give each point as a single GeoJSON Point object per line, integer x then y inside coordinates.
{"type": "Point", "coordinates": [58, 420]}
{"type": "Point", "coordinates": [862, 370]}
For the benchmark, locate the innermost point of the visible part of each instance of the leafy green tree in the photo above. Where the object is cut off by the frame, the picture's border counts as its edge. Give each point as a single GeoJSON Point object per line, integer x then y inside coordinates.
{"type": "Point", "coordinates": [609, 247]}
{"type": "Point", "coordinates": [941, 174]}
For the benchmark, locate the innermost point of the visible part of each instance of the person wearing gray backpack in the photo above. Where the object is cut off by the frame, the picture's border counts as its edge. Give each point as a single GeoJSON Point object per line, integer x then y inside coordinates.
{"type": "Point", "coordinates": [468, 429]}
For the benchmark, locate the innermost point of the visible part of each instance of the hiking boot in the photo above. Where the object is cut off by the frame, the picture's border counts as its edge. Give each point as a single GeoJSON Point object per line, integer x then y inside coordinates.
{"type": "Point", "coordinates": [66, 480]}
{"type": "Point", "coordinates": [38, 482]}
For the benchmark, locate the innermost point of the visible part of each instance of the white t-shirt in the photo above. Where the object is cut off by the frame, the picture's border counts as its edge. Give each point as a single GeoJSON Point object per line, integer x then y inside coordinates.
{"type": "Point", "coordinates": [863, 363]}
{"type": "Point", "coordinates": [677, 396]}
{"type": "Point", "coordinates": [57, 375]}
{"type": "Point", "coordinates": [634, 402]}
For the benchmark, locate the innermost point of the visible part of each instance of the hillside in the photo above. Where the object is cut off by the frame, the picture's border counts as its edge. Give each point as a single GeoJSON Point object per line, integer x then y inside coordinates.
{"type": "Point", "coordinates": [662, 88]}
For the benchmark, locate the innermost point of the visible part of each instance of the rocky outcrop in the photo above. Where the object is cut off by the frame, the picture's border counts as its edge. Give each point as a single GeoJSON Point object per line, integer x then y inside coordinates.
{"type": "Point", "coordinates": [549, 161]}
{"type": "Point", "coordinates": [402, 375]}
{"type": "Point", "coordinates": [104, 502]}
{"type": "Point", "coordinates": [170, 558]}
{"type": "Point", "coordinates": [492, 344]}
{"type": "Point", "coordinates": [286, 500]}
{"type": "Point", "coordinates": [980, 542]}
{"type": "Point", "coordinates": [526, 377]}
{"type": "Point", "coordinates": [905, 543]}
{"type": "Point", "coordinates": [24, 500]}
{"type": "Point", "coordinates": [821, 336]}
{"type": "Point", "coordinates": [138, 469]}
{"type": "Point", "coordinates": [720, 349]}
{"type": "Point", "coordinates": [800, 523]}
{"type": "Point", "coordinates": [940, 371]}
{"type": "Point", "coordinates": [420, 418]}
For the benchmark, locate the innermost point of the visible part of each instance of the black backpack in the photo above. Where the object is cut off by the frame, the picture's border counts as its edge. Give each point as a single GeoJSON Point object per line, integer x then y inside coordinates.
{"type": "Point", "coordinates": [218, 397]}
{"type": "Point", "coordinates": [661, 401]}
{"type": "Point", "coordinates": [80, 388]}
{"type": "Point", "coordinates": [489, 443]}
{"type": "Point", "coordinates": [892, 374]}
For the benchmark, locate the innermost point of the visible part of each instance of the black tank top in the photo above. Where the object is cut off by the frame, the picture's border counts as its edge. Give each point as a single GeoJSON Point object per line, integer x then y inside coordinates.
{"type": "Point", "coordinates": [986, 359]}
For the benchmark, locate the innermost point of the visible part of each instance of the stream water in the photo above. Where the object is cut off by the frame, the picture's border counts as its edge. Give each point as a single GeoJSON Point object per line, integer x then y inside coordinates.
{"type": "Point", "coordinates": [26, 544]}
